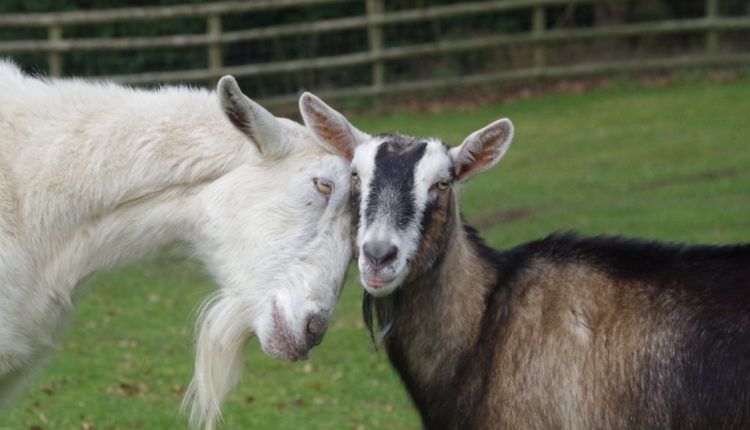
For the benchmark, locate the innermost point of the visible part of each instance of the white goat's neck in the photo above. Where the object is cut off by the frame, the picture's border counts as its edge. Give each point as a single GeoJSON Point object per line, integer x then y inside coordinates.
{"type": "Point", "coordinates": [118, 173]}
{"type": "Point", "coordinates": [95, 187]}
{"type": "Point", "coordinates": [106, 156]}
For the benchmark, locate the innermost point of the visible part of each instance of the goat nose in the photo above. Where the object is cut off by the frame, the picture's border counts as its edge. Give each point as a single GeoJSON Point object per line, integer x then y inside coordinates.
{"type": "Point", "coordinates": [316, 328]}
{"type": "Point", "coordinates": [380, 254]}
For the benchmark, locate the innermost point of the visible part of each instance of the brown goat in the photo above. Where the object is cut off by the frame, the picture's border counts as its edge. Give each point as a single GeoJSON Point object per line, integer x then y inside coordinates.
{"type": "Point", "coordinates": [560, 333]}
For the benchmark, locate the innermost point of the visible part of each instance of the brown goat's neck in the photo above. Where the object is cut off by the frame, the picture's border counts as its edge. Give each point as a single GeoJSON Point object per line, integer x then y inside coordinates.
{"type": "Point", "coordinates": [439, 316]}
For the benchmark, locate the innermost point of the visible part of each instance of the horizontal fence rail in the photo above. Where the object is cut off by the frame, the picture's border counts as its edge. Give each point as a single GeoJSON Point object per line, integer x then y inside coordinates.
{"type": "Point", "coordinates": [150, 13]}
{"type": "Point", "coordinates": [375, 19]}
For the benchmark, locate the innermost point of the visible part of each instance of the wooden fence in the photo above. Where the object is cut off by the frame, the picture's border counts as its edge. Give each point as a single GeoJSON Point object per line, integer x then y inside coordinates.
{"type": "Point", "coordinates": [711, 26]}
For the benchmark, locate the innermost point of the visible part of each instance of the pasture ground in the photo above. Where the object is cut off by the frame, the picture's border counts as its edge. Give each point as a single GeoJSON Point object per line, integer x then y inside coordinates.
{"type": "Point", "coordinates": [664, 162]}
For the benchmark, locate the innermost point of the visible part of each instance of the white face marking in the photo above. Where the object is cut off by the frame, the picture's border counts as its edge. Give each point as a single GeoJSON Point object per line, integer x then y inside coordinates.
{"type": "Point", "coordinates": [435, 166]}
{"type": "Point", "coordinates": [363, 163]}
{"type": "Point", "coordinates": [380, 229]}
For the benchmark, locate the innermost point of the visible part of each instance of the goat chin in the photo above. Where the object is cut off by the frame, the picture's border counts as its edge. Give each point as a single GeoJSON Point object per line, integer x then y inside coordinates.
{"type": "Point", "coordinates": [223, 331]}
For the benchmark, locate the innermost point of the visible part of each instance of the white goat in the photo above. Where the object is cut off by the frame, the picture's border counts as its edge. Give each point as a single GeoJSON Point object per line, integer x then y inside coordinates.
{"type": "Point", "coordinates": [95, 175]}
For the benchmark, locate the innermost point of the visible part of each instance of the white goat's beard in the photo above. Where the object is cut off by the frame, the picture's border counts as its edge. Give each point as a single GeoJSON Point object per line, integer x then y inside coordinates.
{"type": "Point", "coordinates": [219, 359]}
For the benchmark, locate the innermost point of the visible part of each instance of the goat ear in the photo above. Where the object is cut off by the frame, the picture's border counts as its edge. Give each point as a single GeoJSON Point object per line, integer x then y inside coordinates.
{"type": "Point", "coordinates": [330, 127]}
{"type": "Point", "coordinates": [251, 118]}
{"type": "Point", "coordinates": [482, 149]}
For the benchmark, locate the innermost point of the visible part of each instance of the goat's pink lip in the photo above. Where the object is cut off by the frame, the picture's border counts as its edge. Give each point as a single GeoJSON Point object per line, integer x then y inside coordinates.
{"type": "Point", "coordinates": [374, 283]}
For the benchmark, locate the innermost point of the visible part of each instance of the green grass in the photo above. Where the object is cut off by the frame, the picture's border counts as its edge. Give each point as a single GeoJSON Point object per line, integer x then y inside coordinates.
{"type": "Point", "coordinates": [669, 163]}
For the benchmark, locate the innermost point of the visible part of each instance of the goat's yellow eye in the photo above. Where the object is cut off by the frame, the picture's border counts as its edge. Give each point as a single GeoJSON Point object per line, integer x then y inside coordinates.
{"type": "Point", "coordinates": [323, 186]}
{"type": "Point", "coordinates": [355, 176]}
{"type": "Point", "coordinates": [443, 185]}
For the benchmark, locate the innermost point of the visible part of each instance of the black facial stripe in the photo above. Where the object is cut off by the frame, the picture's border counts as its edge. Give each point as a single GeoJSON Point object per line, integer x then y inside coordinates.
{"type": "Point", "coordinates": [391, 188]}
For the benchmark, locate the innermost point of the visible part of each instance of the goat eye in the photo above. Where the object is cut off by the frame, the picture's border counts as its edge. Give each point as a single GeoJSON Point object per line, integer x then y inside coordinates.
{"type": "Point", "coordinates": [355, 175]}
{"type": "Point", "coordinates": [323, 186]}
{"type": "Point", "coordinates": [443, 185]}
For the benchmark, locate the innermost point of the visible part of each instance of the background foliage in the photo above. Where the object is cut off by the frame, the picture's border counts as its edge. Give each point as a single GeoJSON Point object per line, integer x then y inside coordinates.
{"type": "Point", "coordinates": [353, 41]}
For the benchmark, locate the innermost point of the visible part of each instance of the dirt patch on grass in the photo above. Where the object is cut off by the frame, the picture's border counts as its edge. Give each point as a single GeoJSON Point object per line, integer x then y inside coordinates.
{"type": "Point", "coordinates": [487, 220]}
{"type": "Point", "coordinates": [695, 178]}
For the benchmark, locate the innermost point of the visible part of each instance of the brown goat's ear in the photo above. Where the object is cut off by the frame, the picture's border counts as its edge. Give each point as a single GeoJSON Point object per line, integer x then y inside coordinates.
{"type": "Point", "coordinates": [330, 127]}
{"type": "Point", "coordinates": [482, 149]}
{"type": "Point", "coordinates": [251, 118]}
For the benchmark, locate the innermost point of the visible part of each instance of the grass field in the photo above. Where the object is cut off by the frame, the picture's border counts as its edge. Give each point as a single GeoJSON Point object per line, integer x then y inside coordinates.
{"type": "Point", "coordinates": [669, 163]}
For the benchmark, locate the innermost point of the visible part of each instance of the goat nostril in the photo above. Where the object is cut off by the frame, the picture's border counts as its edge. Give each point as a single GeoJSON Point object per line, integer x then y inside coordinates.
{"type": "Point", "coordinates": [390, 255]}
{"type": "Point", "coordinates": [380, 253]}
{"type": "Point", "coordinates": [316, 328]}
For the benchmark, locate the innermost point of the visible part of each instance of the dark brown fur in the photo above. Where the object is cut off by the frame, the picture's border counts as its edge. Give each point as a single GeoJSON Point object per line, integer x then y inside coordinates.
{"type": "Point", "coordinates": [569, 333]}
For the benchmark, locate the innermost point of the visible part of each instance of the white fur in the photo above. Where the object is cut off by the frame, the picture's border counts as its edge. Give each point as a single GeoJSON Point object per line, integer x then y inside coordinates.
{"type": "Point", "coordinates": [95, 175]}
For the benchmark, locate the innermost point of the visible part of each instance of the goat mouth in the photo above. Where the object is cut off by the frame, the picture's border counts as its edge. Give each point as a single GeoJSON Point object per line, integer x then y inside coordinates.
{"type": "Point", "coordinates": [379, 288]}
{"type": "Point", "coordinates": [376, 283]}
{"type": "Point", "coordinates": [282, 344]}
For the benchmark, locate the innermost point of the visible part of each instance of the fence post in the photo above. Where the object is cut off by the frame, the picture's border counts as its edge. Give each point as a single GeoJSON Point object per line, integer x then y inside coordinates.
{"type": "Point", "coordinates": [215, 60]}
{"type": "Point", "coordinates": [375, 36]}
{"type": "Point", "coordinates": [712, 35]}
{"type": "Point", "coordinates": [538, 24]}
{"type": "Point", "coordinates": [54, 58]}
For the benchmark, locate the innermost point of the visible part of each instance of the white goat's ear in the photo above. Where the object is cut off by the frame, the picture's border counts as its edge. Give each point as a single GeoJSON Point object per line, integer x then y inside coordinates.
{"type": "Point", "coordinates": [482, 149]}
{"type": "Point", "coordinates": [251, 118]}
{"type": "Point", "coordinates": [330, 127]}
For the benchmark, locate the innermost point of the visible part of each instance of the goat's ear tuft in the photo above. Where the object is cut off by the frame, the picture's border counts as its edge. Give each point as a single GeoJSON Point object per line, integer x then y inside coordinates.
{"type": "Point", "coordinates": [482, 149]}
{"type": "Point", "coordinates": [251, 118]}
{"type": "Point", "coordinates": [330, 127]}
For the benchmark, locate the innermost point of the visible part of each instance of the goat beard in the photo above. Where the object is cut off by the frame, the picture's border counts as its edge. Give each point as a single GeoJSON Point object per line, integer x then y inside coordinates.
{"type": "Point", "coordinates": [219, 359]}
{"type": "Point", "coordinates": [384, 310]}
